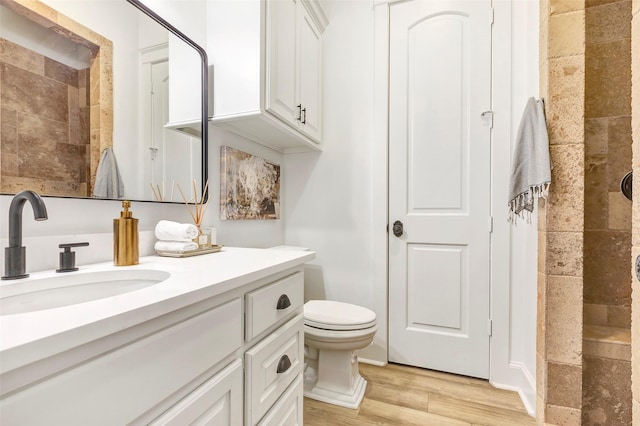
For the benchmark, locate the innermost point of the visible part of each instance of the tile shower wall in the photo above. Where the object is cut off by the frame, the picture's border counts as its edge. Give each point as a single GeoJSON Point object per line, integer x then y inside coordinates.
{"type": "Point", "coordinates": [561, 218]}
{"type": "Point", "coordinates": [606, 395]}
{"type": "Point", "coordinates": [44, 124]}
{"type": "Point", "coordinates": [607, 282]}
{"type": "Point", "coordinates": [635, 125]}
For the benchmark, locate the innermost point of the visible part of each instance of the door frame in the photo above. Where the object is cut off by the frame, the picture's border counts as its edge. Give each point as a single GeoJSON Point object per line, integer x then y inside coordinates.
{"type": "Point", "coordinates": [499, 285]}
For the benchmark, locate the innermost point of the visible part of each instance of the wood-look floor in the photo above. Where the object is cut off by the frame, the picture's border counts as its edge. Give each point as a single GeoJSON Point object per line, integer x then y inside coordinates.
{"type": "Point", "coordinates": [405, 396]}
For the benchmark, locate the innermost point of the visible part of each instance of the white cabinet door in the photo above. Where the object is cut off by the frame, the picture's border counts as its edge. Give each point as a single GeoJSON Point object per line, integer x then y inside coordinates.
{"type": "Point", "coordinates": [281, 92]}
{"type": "Point", "coordinates": [293, 68]}
{"type": "Point", "coordinates": [218, 402]}
{"type": "Point", "coordinates": [310, 75]}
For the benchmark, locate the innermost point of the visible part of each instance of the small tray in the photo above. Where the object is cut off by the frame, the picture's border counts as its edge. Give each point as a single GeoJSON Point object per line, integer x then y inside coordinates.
{"type": "Point", "coordinates": [189, 253]}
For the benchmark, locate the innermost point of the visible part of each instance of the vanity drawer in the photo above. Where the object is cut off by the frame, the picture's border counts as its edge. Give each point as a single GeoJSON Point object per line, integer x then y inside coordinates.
{"type": "Point", "coordinates": [289, 409]}
{"type": "Point", "coordinates": [217, 402]}
{"type": "Point", "coordinates": [262, 305]}
{"type": "Point", "coordinates": [283, 351]}
{"type": "Point", "coordinates": [121, 385]}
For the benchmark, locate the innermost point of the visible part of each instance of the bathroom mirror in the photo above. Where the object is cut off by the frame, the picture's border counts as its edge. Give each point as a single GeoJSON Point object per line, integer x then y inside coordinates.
{"type": "Point", "coordinates": [88, 84]}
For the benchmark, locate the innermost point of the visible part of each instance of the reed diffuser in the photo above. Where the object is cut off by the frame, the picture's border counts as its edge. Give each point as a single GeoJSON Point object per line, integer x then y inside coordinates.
{"type": "Point", "coordinates": [197, 214]}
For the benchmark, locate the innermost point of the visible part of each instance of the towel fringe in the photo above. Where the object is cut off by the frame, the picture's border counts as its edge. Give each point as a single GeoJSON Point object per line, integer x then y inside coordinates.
{"type": "Point", "coordinates": [524, 202]}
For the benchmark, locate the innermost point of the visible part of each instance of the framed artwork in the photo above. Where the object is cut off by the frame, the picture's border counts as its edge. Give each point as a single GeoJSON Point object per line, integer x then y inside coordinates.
{"type": "Point", "coordinates": [249, 186]}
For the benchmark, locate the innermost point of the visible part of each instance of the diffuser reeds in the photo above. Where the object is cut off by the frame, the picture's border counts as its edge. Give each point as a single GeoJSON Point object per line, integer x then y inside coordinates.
{"type": "Point", "coordinates": [200, 206]}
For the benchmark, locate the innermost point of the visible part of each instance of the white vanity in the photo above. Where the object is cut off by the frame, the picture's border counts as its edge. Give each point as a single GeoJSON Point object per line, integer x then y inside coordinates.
{"type": "Point", "coordinates": [220, 341]}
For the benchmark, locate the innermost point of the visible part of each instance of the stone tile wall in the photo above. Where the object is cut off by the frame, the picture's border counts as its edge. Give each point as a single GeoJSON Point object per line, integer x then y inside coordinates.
{"type": "Point", "coordinates": [607, 245]}
{"type": "Point", "coordinates": [635, 126]}
{"type": "Point", "coordinates": [45, 124]}
{"type": "Point", "coordinates": [606, 392]}
{"type": "Point", "coordinates": [561, 220]}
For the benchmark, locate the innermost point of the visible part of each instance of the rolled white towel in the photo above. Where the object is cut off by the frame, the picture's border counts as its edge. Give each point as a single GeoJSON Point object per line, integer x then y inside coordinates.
{"type": "Point", "coordinates": [167, 230]}
{"type": "Point", "coordinates": [174, 246]}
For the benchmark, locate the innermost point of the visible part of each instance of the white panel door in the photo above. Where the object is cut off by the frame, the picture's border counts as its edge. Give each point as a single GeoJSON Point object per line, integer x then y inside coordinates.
{"type": "Point", "coordinates": [439, 185]}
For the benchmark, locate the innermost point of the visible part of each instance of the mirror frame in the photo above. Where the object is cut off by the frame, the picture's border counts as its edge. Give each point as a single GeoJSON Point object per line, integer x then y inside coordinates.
{"type": "Point", "coordinates": [204, 129]}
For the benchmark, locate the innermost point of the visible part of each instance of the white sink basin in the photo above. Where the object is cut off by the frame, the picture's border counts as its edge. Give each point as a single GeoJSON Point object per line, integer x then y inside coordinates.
{"type": "Point", "coordinates": [73, 288]}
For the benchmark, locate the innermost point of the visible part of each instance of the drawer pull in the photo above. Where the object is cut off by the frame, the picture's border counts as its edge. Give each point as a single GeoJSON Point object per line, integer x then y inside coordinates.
{"type": "Point", "coordinates": [283, 302]}
{"type": "Point", "coordinates": [283, 364]}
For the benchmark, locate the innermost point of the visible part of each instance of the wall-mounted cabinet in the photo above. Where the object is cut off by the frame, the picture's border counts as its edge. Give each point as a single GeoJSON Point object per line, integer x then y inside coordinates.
{"type": "Point", "coordinates": [266, 59]}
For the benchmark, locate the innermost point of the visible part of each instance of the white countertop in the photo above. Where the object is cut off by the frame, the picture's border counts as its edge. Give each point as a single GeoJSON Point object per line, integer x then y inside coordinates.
{"type": "Point", "coordinates": [29, 337]}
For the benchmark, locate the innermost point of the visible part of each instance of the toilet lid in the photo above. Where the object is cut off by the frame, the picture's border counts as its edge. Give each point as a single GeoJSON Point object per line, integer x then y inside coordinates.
{"type": "Point", "coordinates": [326, 314]}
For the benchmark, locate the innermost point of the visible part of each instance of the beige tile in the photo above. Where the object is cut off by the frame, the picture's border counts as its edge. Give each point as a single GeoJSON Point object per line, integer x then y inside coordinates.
{"type": "Point", "coordinates": [619, 131]}
{"type": "Point", "coordinates": [564, 385]}
{"type": "Point", "coordinates": [542, 253]}
{"type": "Point", "coordinates": [544, 11]}
{"type": "Point", "coordinates": [542, 314]}
{"type": "Point", "coordinates": [609, 22]}
{"type": "Point", "coordinates": [595, 314]}
{"type": "Point", "coordinates": [540, 410]}
{"type": "Point", "coordinates": [564, 320]}
{"type": "Point", "coordinates": [564, 253]}
{"type": "Point", "coordinates": [544, 80]}
{"type": "Point", "coordinates": [635, 336]}
{"type": "Point", "coordinates": [566, 34]}
{"type": "Point", "coordinates": [596, 135]}
{"type": "Point", "coordinates": [608, 334]}
{"type": "Point", "coordinates": [595, 3]}
{"type": "Point", "coordinates": [20, 57]}
{"type": "Point", "coordinates": [15, 184]}
{"type": "Point", "coordinates": [596, 200]}
{"type": "Point", "coordinates": [9, 165]}
{"type": "Point", "coordinates": [34, 94]}
{"type": "Point", "coordinates": [543, 52]}
{"type": "Point", "coordinates": [619, 211]}
{"type": "Point", "coordinates": [635, 215]}
{"type": "Point", "coordinates": [542, 214]}
{"type": "Point", "coordinates": [607, 350]}
{"type": "Point", "coordinates": [619, 316]}
{"type": "Point", "coordinates": [563, 416]}
{"type": "Point", "coordinates": [606, 391]}
{"type": "Point", "coordinates": [608, 79]}
{"type": "Point", "coordinates": [618, 165]}
{"type": "Point", "coordinates": [563, 6]}
{"type": "Point", "coordinates": [541, 375]}
{"type": "Point", "coordinates": [565, 103]}
{"type": "Point", "coordinates": [610, 284]}
{"type": "Point", "coordinates": [566, 193]}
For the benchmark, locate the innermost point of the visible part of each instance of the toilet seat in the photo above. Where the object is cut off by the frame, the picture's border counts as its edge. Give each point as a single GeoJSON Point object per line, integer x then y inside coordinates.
{"type": "Point", "coordinates": [330, 315]}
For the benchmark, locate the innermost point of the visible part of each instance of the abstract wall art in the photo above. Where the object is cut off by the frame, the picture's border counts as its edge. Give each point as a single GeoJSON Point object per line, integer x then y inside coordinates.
{"type": "Point", "coordinates": [249, 186]}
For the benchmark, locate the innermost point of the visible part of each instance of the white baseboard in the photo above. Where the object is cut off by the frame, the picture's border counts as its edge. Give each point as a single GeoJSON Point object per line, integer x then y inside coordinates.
{"type": "Point", "coordinates": [526, 389]}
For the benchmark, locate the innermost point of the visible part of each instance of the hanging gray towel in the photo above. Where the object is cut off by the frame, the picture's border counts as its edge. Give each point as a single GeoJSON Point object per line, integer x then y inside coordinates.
{"type": "Point", "coordinates": [108, 182]}
{"type": "Point", "coordinates": [530, 165]}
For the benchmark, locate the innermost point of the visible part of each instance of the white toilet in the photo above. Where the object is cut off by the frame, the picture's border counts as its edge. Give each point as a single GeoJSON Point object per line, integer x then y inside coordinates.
{"type": "Point", "coordinates": [333, 331]}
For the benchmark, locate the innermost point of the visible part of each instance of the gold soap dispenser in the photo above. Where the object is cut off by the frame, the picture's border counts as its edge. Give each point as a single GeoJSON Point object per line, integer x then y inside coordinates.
{"type": "Point", "coordinates": [125, 238]}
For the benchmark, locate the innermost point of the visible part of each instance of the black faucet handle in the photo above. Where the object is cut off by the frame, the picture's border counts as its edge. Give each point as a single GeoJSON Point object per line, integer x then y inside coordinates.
{"type": "Point", "coordinates": [68, 257]}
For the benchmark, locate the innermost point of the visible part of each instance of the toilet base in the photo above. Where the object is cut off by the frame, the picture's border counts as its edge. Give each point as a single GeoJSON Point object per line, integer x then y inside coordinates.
{"type": "Point", "coordinates": [336, 379]}
{"type": "Point", "coordinates": [336, 398]}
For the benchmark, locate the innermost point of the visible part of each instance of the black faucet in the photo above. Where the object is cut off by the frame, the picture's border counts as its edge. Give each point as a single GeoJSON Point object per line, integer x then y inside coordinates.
{"type": "Point", "coordinates": [15, 255]}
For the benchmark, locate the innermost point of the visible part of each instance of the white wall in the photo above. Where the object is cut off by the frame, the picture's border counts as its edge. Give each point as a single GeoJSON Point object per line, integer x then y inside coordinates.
{"type": "Point", "coordinates": [514, 286]}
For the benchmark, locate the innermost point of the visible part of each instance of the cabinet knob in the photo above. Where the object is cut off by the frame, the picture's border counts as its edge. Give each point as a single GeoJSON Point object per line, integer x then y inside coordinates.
{"type": "Point", "coordinates": [283, 302]}
{"type": "Point", "coordinates": [284, 364]}
{"type": "Point", "coordinates": [299, 118]}
{"type": "Point", "coordinates": [304, 115]}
